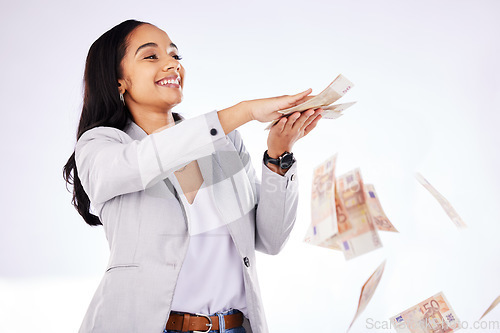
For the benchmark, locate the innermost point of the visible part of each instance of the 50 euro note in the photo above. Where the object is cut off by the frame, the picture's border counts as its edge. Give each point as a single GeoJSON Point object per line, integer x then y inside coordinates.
{"type": "Point", "coordinates": [357, 232]}
{"type": "Point", "coordinates": [323, 228]}
{"type": "Point", "coordinates": [335, 90]}
{"type": "Point", "coordinates": [432, 315]}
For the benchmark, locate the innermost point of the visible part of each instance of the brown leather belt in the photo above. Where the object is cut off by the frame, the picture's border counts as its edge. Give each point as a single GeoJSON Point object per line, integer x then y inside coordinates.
{"type": "Point", "coordinates": [201, 323]}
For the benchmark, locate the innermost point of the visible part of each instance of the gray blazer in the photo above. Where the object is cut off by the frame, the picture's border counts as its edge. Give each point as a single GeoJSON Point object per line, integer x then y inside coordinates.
{"type": "Point", "coordinates": [128, 176]}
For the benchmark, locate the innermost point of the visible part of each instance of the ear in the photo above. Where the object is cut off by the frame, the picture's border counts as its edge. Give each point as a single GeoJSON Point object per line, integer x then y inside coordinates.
{"type": "Point", "coordinates": [122, 86]}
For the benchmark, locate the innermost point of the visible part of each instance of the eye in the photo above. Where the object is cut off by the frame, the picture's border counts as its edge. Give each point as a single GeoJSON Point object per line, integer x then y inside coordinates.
{"type": "Point", "coordinates": [177, 57]}
{"type": "Point", "coordinates": [153, 56]}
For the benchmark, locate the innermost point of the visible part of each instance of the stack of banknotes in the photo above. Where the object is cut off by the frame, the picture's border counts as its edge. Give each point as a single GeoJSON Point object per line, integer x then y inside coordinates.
{"type": "Point", "coordinates": [338, 88]}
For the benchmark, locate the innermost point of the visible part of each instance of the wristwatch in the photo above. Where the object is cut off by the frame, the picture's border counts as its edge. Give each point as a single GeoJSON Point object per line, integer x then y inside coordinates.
{"type": "Point", "coordinates": [284, 161]}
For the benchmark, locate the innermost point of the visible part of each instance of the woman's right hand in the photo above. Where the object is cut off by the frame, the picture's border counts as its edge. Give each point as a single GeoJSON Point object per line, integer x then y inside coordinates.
{"type": "Point", "coordinates": [266, 109]}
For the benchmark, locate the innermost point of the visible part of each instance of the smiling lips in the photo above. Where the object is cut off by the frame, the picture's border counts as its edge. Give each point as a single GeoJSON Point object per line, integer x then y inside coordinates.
{"type": "Point", "coordinates": [170, 82]}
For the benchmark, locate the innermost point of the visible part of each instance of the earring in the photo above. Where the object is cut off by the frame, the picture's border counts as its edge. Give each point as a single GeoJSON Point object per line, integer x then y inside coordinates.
{"type": "Point", "coordinates": [122, 99]}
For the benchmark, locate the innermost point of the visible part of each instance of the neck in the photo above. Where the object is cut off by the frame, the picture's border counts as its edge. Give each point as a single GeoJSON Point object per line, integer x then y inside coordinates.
{"type": "Point", "coordinates": [152, 122]}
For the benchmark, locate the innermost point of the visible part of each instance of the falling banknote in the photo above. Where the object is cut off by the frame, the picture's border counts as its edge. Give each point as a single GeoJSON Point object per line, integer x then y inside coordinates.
{"type": "Point", "coordinates": [442, 201]}
{"type": "Point", "coordinates": [359, 234]}
{"type": "Point", "coordinates": [323, 228]}
{"type": "Point", "coordinates": [345, 213]}
{"type": "Point", "coordinates": [379, 217]}
{"type": "Point", "coordinates": [432, 315]}
{"type": "Point", "coordinates": [338, 88]}
{"type": "Point", "coordinates": [492, 306]}
{"type": "Point", "coordinates": [367, 291]}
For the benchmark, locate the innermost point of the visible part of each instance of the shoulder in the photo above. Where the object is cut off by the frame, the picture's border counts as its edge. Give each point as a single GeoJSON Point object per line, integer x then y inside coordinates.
{"type": "Point", "coordinates": [106, 132]}
{"type": "Point", "coordinates": [103, 134]}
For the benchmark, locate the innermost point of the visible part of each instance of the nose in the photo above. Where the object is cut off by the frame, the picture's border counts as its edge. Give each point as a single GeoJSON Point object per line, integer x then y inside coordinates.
{"type": "Point", "coordinates": [172, 64]}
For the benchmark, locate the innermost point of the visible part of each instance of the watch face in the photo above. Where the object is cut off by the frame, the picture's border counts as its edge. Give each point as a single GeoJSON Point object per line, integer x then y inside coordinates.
{"type": "Point", "coordinates": [286, 161]}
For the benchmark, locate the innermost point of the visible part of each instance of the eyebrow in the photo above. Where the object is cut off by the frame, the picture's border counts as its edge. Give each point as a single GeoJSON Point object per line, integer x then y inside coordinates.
{"type": "Point", "coordinates": [151, 44]}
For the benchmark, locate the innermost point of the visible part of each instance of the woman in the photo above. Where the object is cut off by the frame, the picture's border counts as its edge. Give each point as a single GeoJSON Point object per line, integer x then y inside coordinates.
{"type": "Point", "coordinates": [181, 206]}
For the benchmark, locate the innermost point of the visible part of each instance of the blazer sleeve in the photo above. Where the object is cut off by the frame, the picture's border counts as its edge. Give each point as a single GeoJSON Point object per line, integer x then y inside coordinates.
{"type": "Point", "coordinates": [277, 201]}
{"type": "Point", "coordinates": [110, 163]}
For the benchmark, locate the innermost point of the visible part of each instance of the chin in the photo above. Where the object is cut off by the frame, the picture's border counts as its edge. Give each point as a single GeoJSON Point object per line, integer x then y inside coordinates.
{"type": "Point", "coordinates": [172, 103]}
{"type": "Point", "coordinates": [173, 100]}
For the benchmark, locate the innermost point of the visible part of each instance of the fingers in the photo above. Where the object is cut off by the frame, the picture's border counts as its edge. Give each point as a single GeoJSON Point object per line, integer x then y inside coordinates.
{"type": "Point", "coordinates": [292, 119]}
{"type": "Point", "coordinates": [302, 118]}
{"type": "Point", "coordinates": [298, 121]}
{"type": "Point", "coordinates": [312, 117]}
{"type": "Point", "coordinates": [301, 95]}
{"type": "Point", "coordinates": [312, 125]}
{"type": "Point", "coordinates": [304, 99]}
{"type": "Point", "coordinates": [280, 125]}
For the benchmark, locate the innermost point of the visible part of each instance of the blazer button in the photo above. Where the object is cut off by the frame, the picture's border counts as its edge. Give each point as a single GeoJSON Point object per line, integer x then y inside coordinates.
{"type": "Point", "coordinates": [246, 261]}
{"type": "Point", "coordinates": [213, 131]}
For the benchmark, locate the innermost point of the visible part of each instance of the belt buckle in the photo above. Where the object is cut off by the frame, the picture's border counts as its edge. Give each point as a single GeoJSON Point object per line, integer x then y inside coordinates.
{"type": "Point", "coordinates": [209, 323]}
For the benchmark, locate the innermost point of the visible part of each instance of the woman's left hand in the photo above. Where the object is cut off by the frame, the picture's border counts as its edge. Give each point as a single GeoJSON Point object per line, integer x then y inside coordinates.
{"type": "Point", "coordinates": [288, 130]}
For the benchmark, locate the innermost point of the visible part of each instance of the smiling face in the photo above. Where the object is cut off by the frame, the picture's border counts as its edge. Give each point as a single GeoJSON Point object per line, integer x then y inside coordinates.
{"type": "Point", "coordinates": [152, 74]}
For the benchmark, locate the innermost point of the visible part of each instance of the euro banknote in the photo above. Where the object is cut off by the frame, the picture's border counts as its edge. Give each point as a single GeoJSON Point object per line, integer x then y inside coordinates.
{"type": "Point", "coordinates": [380, 219]}
{"type": "Point", "coordinates": [338, 88]}
{"type": "Point", "coordinates": [335, 90]}
{"type": "Point", "coordinates": [323, 230]}
{"type": "Point", "coordinates": [332, 225]}
{"type": "Point", "coordinates": [323, 214]}
{"type": "Point", "coordinates": [492, 306]}
{"type": "Point", "coordinates": [358, 235]}
{"type": "Point", "coordinates": [432, 315]}
{"type": "Point", "coordinates": [335, 111]}
{"type": "Point", "coordinates": [367, 291]}
{"type": "Point", "coordinates": [448, 208]}
{"type": "Point", "coordinates": [330, 112]}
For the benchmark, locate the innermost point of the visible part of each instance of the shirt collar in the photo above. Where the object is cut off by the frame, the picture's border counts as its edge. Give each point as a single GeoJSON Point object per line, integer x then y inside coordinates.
{"type": "Point", "coordinates": [136, 132]}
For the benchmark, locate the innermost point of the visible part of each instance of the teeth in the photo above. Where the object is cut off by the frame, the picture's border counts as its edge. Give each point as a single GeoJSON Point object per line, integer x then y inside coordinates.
{"type": "Point", "coordinates": [170, 81]}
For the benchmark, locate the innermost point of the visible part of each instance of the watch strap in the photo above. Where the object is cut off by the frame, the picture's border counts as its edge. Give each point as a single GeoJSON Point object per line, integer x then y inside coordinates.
{"type": "Point", "coordinates": [269, 159]}
{"type": "Point", "coordinates": [279, 161]}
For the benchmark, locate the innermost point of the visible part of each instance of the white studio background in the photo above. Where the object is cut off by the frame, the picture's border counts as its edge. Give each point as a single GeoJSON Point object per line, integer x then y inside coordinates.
{"type": "Point", "coordinates": [426, 77]}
